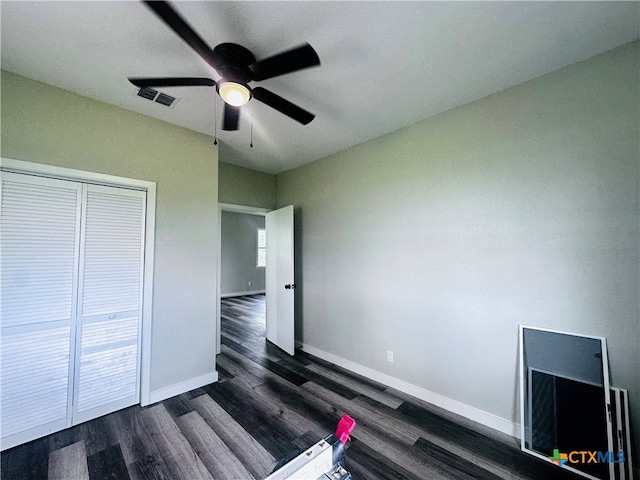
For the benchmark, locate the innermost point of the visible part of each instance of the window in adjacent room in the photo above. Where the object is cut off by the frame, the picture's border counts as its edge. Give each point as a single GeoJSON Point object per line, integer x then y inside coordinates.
{"type": "Point", "coordinates": [262, 247]}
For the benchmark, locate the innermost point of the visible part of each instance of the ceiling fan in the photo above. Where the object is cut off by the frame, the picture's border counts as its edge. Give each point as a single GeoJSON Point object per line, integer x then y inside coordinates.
{"type": "Point", "coordinates": [237, 67]}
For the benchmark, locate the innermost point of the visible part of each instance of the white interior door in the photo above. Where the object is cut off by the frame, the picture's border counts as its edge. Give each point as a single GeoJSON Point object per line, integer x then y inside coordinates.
{"type": "Point", "coordinates": [39, 225]}
{"type": "Point", "coordinates": [110, 301]}
{"type": "Point", "coordinates": [279, 279]}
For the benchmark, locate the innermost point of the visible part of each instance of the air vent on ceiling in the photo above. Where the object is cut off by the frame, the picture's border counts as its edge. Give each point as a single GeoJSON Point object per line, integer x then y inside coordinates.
{"type": "Point", "coordinates": [148, 93]}
{"type": "Point", "coordinates": [164, 99]}
{"type": "Point", "coordinates": [156, 96]}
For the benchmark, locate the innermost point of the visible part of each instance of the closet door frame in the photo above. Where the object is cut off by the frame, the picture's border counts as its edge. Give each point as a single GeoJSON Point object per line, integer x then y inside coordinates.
{"type": "Point", "coordinates": [62, 173]}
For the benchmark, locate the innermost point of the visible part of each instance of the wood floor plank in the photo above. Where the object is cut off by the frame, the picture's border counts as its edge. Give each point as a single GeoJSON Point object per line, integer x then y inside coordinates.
{"type": "Point", "coordinates": [384, 425]}
{"type": "Point", "coordinates": [328, 383]}
{"type": "Point", "coordinates": [259, 423]}
{"type": "Point", "coordinates": [178, 405]}
{"type": "Point", "coordinates": [175, 450]}
{"type": "Point", "coordinates": [304, 403]}
{"type": "Point", "coordinates": [139, 450]}
{"type": "Point", "coordinates": [357, 386]}
{"type": "Point", "coordinates": [446, 461]}
{"type": "Point", "coordinates": [108, 464]}
{"type": "Point", "coordinates": [270, 365]}
{"type": "Point", "coordinates": [254, 456]}
{"type": "Point", "coordinates": [393, 452]}
{"type": "Point", "coordinates": [195, 393]}
{"type": "Point", "coordinates": [239, 335]}
{"type": "Point", "coordinates": [242, 327]}
{"type": "Point", "coordinates": [247, 364]}
{"type": "Point", "coordinates": [455, 418]}
{"type": "Point", "coordinates": [444, 441]}
{"type": "Point", "coordinates": [69, 462]}
{"type": "Point", "coordinates": [149, 468]}
{"type": "Point", "coordinates": [211, 449]}
{"type": "Point", "coordinates": [223, 374]}
{"type": "Point", "coordinates": [98, 435]}
{"type": "Point", "coordinates": [364, 463]}
{"type": "Point", "coordinates": [298, 424]}
{"type": "Point", "coordinates": [303, 356]}
{"type": "Point", "coordinates": [66, 437]}
{"type": "Point", "coordinates": [29, 461]}
{"type": "Point", "coordinates": [282, 415]}
{"type": "Point", "coordinates": [230, 365]}
{"type": "Point", "coordinates": [141, 453]}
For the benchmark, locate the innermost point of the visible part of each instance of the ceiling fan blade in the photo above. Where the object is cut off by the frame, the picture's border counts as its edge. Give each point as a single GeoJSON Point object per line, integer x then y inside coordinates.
{"type": "Point", "coordinates": [172, 82]}
{"type": "Point", "coordinates": [231, 117]}
{"type": "Point", "coordinates": [182, 28]}
{"type": "Point", "coordinates": [292, 60]}
{"type": "Point", "coordinates": [282, 105]}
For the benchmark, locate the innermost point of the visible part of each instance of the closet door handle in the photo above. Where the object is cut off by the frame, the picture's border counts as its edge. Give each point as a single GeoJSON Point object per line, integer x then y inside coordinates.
{"type": "Point", "coordinates": [290, 286]}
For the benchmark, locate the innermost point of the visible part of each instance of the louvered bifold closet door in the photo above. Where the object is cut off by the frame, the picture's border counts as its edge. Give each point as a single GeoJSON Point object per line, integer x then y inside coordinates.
{"type": "Point", "coordinates": [39, 232]}
{"type": "Point", "coordinates": [110, 305]}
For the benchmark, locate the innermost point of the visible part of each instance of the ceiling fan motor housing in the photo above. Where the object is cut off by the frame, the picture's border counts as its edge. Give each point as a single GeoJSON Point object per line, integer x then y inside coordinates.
{"type": "Point", "coordinates": [234, 62]}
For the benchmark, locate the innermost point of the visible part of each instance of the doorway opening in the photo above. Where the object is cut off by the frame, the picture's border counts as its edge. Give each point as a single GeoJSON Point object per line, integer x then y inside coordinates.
{"type": "Point", "coordinates": [239, 275]}
{"type": "Point", "coordinates": [279, 284]}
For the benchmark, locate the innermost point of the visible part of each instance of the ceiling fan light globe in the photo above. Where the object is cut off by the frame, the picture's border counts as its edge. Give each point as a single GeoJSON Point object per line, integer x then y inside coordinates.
{"type": "Point", "coordinates": [234, 93]}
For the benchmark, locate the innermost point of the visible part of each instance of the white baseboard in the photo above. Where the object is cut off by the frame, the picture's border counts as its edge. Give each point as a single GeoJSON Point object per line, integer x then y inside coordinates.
{"type": "Point", "coordinates": [240, 294]}
{"type": "Point", "coordinates": [488, 419]}
{"type": "Point", "coordinates": [182, 387]}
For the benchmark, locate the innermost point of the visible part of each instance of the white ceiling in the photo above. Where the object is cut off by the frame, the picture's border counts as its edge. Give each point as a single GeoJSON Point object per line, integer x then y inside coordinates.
{"type": "Point", "coordinates": [384, 65]}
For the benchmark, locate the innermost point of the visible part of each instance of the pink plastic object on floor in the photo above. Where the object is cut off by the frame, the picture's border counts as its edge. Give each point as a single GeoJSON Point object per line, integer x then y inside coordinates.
{"type": "Point", "coordinates": [345, 427]}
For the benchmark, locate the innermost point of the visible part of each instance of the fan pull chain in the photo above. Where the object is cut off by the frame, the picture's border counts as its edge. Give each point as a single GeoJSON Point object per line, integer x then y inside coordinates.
{"type": "Point", "coordinates": [251, 144]}
{"type": "Point", "coordinates": [215, 120]}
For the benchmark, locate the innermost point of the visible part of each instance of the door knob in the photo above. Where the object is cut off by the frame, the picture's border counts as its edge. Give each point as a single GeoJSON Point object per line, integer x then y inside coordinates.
{"type": "Point", "coordinates": [290, 286]}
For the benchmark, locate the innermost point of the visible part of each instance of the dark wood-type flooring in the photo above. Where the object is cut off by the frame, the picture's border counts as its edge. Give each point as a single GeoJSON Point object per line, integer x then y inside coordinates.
{"type": "Point", "coordinates": [266, 405]}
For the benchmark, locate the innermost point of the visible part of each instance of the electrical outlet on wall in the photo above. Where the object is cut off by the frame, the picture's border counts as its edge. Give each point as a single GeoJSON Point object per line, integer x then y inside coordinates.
{"type": "Point", "coordinates": [389, 356]}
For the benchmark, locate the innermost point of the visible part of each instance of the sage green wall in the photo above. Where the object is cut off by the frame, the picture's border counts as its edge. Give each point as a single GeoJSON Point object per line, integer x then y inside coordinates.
{"type": "Point", "coordinates": [44, 124]}
{"type": "Point", "coordinates": [243, 186]}
{"type": "Point", "coordinates": [438, 240]}
{"type": "Point", "coordinates": [239, 247]}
